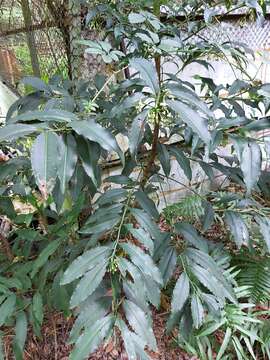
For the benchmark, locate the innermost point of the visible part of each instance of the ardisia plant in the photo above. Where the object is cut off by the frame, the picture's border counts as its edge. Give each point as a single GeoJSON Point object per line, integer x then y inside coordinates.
{"type": "Point", "coordinates": [83, 244]}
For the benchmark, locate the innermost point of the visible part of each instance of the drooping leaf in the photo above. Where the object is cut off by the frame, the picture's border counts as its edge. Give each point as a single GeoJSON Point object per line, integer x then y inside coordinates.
{"type": "Point", "coordinates": [134, 344]}
{"type": "Point", "coordinates": [44, 256]}
{"type": "Point", "coordinates": [147, 71]}
{"type": "Point", "coordinates": [182, 161]}
{"type": "Point", "coordinates": [146, 222]}
{"type": "Point", "coordinates": [140, 323]}
{"type": "Point", "coordinates": [197, 311]}
{"type": "Point", "coordinates": [136, 133]}
{"type": "Point", "coordinates": [167, 263]}
{"type": "Point", "coordinates": [225, 343]}
{"type": "Point", "coordinates": [250, 163]}
{"type": "Point", "coordinates": [92, 338]}
{"type": "Point", "coordinates": [20, 331]}
{"type": "Point", "coordinates": [67, 162]}
{"type": "Point", "coordinates": [7, 308]}
{"type": "Point", "coordinates": [88, 284]}
{"type": "Point", "coordinates": [141, 235]}
{"type": "Point", "coordinates": [89, 153]}
{"type": "Point", "coordinates": [48, 115]}
{"type": "Point", "coordinates": [14, 132]}
{"type": "Point", "coordinates": [180, 293]}
{"type": "Point", "coordinates": [192, 119]}
{"type": "Point", "coordinates": [38, 308]}
{"type": "Point", "coordinates": [143, 261]}
{"type": "Point", "coordinates": [45, 161]}
{"type": "Point", "coordinates": [164, 158]}
{"type": "Point", "coordinates": [264, 224]}
{"type": "Point", "coordinates": [36, 83]}
{"type": "Point", "coordinates": [238, 227]}
{"type": "Point", "coordinates": [147, 204]}
{"type": "Point", "coordinates": [95, 132]}
{"type": "Point", "coordinates": [84, 263]}
{"type": "Point", "coordinates": [191, 235]}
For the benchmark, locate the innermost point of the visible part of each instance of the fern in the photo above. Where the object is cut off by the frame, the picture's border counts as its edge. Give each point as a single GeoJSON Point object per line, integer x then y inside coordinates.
{"type": "Point", "coordinates": [190, 208]}
{"type": "Point", "coordinates": [254, 273]}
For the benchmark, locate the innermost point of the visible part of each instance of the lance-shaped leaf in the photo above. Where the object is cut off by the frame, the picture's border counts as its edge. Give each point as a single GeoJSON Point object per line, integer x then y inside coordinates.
{"type": "Point", "coordinates": [136, 133]}
{"type": "Point", "coordinates": [192, 119]}
{"type": "Point", "coordinates": [238, 227]}
{"type": "Point", "coordinates": [191, 235]}
{"type": "Point", "coordinates": [147, 71]}
{"type": "Point", "coordinates": [164, 158]}
{"type": "Point", "coordinates": [7, 308]}
{"type": "Point", "coordinates": [95, 132]}
{"type": "Point", "coordinates": [183, 161]}
{"type": "Point", "coordinates": [197, 311]}
{"type": "Point", "coordinates": [44, 256]}
{"type": "Point", "coordinates": [140, 323]}
{"type": "Point", "coordinates": [251, 163]}
{"type": "Point", "coordinates": [45, 161]}
{"type": "Point", "coordinates": [146, 222]}
{"type": "Point", "coordinates": [48, 115]}
{"type": "Point", "coordinates": [88, 284]}
{"type": "Point", "coordinates": [89, 153]}
{"type": "Point", "coordinates": [20, 331]}
{"type": "Point", "coordinates": [147, 204]}
{"type": "Point", "coordinates": [92, 338]}
{"type": "Point", "coordinates": [67, 162]}
{"type": "Point", "coordinates": [143, 261]}
{"type": "Point", "coordinates": [264, 224]}
{"type": "Point", "coordinates": [141, 235]}
{"type": "Point", "coordinates": [84, 263]}
{"type": "Point", "coordinates": [13, 132]}
{"type": "Point", "coordinates": [180, 293]}
{"type": "Point", "coordinates": [134, 344]}
{"type": "Point", "coordinates": [167, 263]}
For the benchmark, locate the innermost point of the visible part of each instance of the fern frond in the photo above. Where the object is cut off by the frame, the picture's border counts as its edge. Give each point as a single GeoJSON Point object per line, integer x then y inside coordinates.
{"type": "Point", "coordinates": [189, 208]}
{"type": "Point", "coordinates": [254, 273]}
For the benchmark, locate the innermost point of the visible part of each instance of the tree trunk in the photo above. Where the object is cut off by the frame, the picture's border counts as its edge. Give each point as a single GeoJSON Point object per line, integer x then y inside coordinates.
{"type": "Point", "coordinates": [30, 37]}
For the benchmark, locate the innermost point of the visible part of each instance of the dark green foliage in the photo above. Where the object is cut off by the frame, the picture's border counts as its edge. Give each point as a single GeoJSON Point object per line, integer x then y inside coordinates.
{"type": "Point", "coordinates": [92, 247]}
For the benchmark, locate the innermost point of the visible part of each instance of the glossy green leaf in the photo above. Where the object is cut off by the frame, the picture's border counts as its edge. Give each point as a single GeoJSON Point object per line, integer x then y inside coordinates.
{"type": "Point", "coordinates": [143, 261]}
{"type": "Point", "coordinates": [250, 163]}
{"type": "Point", "coordinates": [147, 204]}
{"type": "Point", "coordinates": [48, 115]}
{"type": "Point", "coordinates": [68, 160]}
{"type": "Point", "coordinates": [88, 284]}
{"type": "Point", "coordinates": [192, 119]}
{"type": "Point", "coordinates": [180, 293]}
{"type": "Point", "coordinates": [147, 71]}
{"type": "Point", "coordinates": [197, 311]}
{"type": "Point", "coordinates": [6, 308]}
{"type": "Point", "coordinates": [95, 132]}
{"type": "Point", "coordinates": [14, 132]}
{"type": "Point", "coordinates": [20, 330]}
{"type": "Point", "coordinates": [264, 224]}
{"type": "Point", "coordinates": [44, 256]}
{"type": "Point", "coordinates": [167, 264]}
{"type": "Point", "coordinates": [134, 344]}
{"type": "Point", "coordinates": [136, 133]}
{"type": "Point", "coordinates": [238, 227]}
{"type": "Point", "coordinates": [85, 262]}
{"type": "Point", "coordinates": [38, 308]}
{"type": "Point", "coordinates": [92, 338]}
{"type": "Point", "coordinates": [45, 157]}
{"type": "Point", "coordinates": [143, 237]}
{"type": "Point", "coordinates": [140, 323]}
{"type": "Point", "coordinates": [146, 222]}
{"type": "Point", "coordinates": [183, 161]}
{"type": "Point", "coordinates": [191, 235]}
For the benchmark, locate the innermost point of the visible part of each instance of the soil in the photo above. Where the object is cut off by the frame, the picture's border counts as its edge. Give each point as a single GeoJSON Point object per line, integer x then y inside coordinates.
{"type": "Point", "coordinates": [53, 345]}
